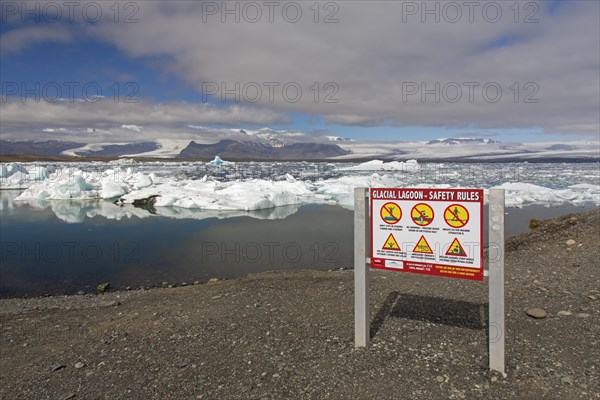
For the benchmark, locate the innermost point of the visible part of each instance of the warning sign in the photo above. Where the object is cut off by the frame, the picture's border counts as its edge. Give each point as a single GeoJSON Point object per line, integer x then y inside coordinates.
{"type": "Point", "coordinates": [391, 243]}
{"type": "Point", "coordinates": [422, 214]}
{"type": "Point", "coordinates": [443, 236]}
{"type": "Point", "coordinates": [456, 215]}
{"type": "Point", "coordinates": [456, 249]}
{"type": "Point", "coordinates": [390, 213]}
{"type": "Point", "coordinates": [422, 246]}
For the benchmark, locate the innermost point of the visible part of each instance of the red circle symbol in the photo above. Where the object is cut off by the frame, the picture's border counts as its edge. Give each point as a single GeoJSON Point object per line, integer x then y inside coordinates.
{"type": "Point", "coordinates": [390, 213]}
{"type": "Point", "coordinates": [422, 214]}
{"type": "Point", "coordinates": [456, 215]}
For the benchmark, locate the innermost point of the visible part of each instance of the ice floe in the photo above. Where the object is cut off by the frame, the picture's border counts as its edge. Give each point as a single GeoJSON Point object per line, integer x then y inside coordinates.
{"type": "Point", "coordinates": [178, 190]}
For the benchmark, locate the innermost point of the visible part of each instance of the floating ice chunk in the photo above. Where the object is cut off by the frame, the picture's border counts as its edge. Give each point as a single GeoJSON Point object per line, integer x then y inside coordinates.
{"type": "Point", "coordinates": [184, 185]}
{"type": "Point", "coordinates": [140, 180]}
{"type": "Point", "coordinates": [111, 190]}
{"type": "Point", "coordinates": [518, 194]}
{"type": "Point", "coordinates": [37, 173]}
{"type": "Point", "coordinates": [19, 176]}
{"type": "Point", "coordinates": [16, 167]}
{"type": "Point", "coordinates": [218, 162]}
{"type": "Point", "coordinates": [73, 189]}
{"type": "Point", "coordinates": [210, 195]}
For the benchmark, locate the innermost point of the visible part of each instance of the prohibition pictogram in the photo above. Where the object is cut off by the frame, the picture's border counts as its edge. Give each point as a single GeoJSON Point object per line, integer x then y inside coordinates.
{"type": "Point", "coordinates": [390, 213]}
{"type": "Point", "coordinates": [391, 243]}
{"type": "Point", "coordinates": [456, 249]}
{"type": "Point", "coordinates": [422, 214]}
{"type": "Point", "coordinates": [456, 215]}
{"type": "Point", "coordinates": [422, 246]}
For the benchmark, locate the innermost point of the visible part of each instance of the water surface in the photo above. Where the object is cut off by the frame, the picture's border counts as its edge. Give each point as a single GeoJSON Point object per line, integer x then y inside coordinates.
{"type": "Point", "coordinates": [42, 252]}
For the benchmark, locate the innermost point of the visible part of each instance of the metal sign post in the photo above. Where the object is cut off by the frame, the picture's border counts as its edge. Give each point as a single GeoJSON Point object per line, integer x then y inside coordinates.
{"type": "Point", "coordinates": [362, 318]}
{"type": "Point", "coordinates": [496, 280]}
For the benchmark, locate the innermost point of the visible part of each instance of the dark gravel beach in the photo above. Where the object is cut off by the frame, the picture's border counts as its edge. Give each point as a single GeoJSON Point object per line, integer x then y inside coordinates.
{"type": "Point", "coordinates": [289, 335]}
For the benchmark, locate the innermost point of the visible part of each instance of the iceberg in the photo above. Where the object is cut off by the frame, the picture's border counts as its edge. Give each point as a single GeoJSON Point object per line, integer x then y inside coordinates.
{"type": "Point", "coordinates": [20, 176]}
{"type": "Point", "coordinates": [192, 188]}
{"type": "Point", "coordinates": [218, 162]}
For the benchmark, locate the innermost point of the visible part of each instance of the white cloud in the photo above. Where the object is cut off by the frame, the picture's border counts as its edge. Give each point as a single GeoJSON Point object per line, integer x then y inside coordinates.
{"type": "Point", "coordinates": [132, 127]}
{"type": "Point", "coordinates": [22, 38]}
{"type": "Point", "coordinates": [130, 115]}
{"type": "Point", "coordinates": [372, 57]}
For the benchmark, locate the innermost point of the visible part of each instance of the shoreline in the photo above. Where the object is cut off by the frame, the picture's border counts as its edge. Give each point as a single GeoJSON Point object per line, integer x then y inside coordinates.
{"type": "Point", "coordinates": [290, 334]}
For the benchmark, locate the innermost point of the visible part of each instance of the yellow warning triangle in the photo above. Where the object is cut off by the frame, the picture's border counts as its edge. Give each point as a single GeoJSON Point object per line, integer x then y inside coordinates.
{"type": "Point", "coordinates": [456, 249]}
{"type": "Point", "coordinates": [391, 243]}
{"type": "Point", "coordinates": [422, 246]}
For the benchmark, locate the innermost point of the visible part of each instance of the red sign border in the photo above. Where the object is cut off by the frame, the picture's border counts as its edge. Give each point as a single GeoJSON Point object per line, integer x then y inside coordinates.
{"type": "Point", "coordinates": [427, 268]}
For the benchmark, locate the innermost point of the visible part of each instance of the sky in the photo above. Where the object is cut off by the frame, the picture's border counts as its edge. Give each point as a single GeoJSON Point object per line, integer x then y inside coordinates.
{"type": "Point", "coordinates": [95, 71]}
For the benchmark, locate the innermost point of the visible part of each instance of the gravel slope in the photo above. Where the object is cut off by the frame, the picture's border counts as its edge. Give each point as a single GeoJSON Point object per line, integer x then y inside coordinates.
{"type": "Point", "coordinates": [290, 335]}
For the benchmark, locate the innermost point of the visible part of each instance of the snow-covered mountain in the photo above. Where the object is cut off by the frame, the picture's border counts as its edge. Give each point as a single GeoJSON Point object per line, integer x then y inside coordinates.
{"type": "Point", "coordinates": [462, 141]}
{"type": "Point", "coordinates": [269, 144]}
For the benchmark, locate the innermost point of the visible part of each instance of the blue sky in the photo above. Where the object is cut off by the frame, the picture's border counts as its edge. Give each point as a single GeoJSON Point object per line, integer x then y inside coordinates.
{"type": "Point", "coordinates": [372, 76]}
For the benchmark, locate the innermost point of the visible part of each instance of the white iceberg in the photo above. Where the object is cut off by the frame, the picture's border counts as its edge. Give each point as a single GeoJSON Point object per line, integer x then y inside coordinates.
{"type": "Point", "coordinates": [198, 188]}
{"type": "Point", "coordinates": [218, 162]}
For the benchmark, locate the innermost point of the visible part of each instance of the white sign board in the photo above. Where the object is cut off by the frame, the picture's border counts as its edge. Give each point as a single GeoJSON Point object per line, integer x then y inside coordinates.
{"type": "Point", "coordinates": [428, 231]}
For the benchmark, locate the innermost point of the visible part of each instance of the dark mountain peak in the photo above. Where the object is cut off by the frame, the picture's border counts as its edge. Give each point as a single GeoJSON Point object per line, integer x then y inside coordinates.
{"type": "Point", "coordinates": [234, 149]}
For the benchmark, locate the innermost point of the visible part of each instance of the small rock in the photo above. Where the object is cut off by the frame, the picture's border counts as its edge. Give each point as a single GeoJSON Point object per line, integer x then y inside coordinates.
{"type": "Point", "coordinates": [582, 315]}
{"type": "Point", "coordinates": [570, 242]}
{"type": "Point", "coordinates": [439, 379]}
{"type": "Point", "coordinates": [566, 380]}
{"type": "Point", "coordinates": [103, 287]}
{"type": "Point", "coordinates": [80, 293]}
{"type": "Point", "coordinates": [494, 379]}
{"type": "Point", "coordinates": [57, 367]}
{"type": "Point", "coordinates": [564, 313]}
{"type": "Point", "coordinates": [212, 280]}
{"type": "Point", "coordinates": [537, 313]}
{"type": "Point", "coordinates": [79, 365]}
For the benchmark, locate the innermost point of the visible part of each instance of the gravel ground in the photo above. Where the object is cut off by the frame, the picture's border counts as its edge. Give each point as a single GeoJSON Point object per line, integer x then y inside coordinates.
{"type": "Point", "coordinates": [289, 335]}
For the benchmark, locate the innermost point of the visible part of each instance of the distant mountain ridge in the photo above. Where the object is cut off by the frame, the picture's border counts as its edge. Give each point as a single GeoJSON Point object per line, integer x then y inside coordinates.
{"type": "Point", "coordinates": [234, 149]}
{"type": "Point", "coordinates": [264, 144]}
{"type": "Point", "coordinates": [38, 148]}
